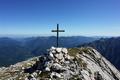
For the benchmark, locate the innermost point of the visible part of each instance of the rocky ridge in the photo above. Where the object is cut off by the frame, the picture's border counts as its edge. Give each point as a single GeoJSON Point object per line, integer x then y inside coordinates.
{"type": "Point", "coordinates": [63, 64]}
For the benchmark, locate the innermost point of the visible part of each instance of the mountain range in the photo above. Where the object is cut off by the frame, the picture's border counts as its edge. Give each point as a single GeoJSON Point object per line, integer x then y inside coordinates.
{"type": "Point", "coordinates": [13, 50]}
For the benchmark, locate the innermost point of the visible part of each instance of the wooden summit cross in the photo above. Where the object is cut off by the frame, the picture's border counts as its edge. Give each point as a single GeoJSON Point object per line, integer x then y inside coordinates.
{"type": "Point", "coordinates": [57, 30]}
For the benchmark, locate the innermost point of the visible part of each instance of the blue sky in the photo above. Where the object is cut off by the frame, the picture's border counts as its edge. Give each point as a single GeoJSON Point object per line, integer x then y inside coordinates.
{"type": "Point", "coordinates": [77, 17]}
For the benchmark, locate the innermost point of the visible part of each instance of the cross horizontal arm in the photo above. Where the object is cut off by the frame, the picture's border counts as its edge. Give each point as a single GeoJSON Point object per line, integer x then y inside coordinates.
{"type": "Point", "coordinates": [61, 30]}
{"type": "Point", "coordinates": [58, 30]}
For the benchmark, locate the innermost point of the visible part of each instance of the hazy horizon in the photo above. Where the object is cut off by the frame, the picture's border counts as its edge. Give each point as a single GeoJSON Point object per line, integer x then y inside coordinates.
{"type": "Point", "coordinates": [47, 35]}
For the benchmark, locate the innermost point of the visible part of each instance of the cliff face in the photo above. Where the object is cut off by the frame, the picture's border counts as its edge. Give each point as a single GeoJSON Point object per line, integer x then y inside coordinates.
{"type": "Point", "coordinates": [109, 48]}
{"type": "Point", "coordinates": [83, 63]}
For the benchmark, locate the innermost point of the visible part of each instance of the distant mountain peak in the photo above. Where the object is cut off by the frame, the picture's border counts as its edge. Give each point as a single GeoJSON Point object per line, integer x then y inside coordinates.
{"type": "Point", "coordinates": [83, 63]}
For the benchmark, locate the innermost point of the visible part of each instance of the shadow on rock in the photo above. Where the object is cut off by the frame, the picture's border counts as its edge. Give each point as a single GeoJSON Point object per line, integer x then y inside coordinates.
{"type": "Point", "coordinates": [39, 65]}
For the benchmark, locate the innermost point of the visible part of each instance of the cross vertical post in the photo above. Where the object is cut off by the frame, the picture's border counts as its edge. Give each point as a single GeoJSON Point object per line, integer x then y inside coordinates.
{"type": "Point", "coordinates": [57, 34]}
{"type": "Point", "coordinates": [57, 40]}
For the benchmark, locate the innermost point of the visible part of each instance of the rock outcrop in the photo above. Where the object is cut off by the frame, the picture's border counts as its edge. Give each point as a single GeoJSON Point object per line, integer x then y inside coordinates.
{"type": "Point", "coordinates": [63, 64]}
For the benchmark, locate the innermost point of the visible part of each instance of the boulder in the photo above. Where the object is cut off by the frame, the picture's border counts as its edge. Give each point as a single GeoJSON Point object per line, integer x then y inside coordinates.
{"type": "Point", "coordinates": [57, 66]}
{"type": "Point", "coordinates": [31, 77]}
{"type": "Point", "coordinates": [59, 56]}
{"type": "Point", "coordinates": [64, 50]}
{"type": "Point", "coordinates": [52, 48]}
{"type": "Point", "coordinates": [34, 74]}
{"type": "Point", "coordinates": [51, 55]}
{"type": "Point", "coordinates": [47, 69]}
{"type": "Point", "coordinates": [53, 51]}
{"type": "Point", "coordinates": [58, 50]}
{"type": "Point", "coordinates": [55, 75]}
{"type": "Point", "coordinates": [67, 57]}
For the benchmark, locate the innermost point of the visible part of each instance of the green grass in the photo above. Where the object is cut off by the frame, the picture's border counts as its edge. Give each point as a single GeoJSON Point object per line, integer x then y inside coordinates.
{"type": "Point", "coordinates": [73, 51]}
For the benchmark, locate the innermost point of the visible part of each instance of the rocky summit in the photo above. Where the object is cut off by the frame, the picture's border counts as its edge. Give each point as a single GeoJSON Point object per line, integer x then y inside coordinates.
{"type": "Point", "coordinates": [83, 63]}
